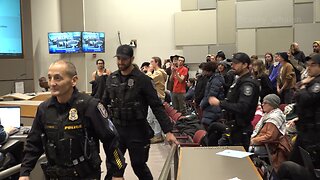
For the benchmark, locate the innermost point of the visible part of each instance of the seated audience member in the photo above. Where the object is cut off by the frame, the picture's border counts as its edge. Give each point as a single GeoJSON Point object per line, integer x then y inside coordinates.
{"type": "Point", "coordinates": [271, 130]}
{"type": "Point", "coordinates": [191, 86]}
{"type": "Point", "coordinates": [43, 83]}
{"type": "Point", "coordinates": [214, 88]}
{"type": "Point", "coordinates": [4, 133]}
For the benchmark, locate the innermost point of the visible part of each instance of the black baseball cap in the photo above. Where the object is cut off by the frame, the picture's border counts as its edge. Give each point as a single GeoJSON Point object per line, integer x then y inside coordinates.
{"type": "Point", "coordinates": [241, 57]}
{"type": "Point", "coordinates": [124, 51]}
{"type": "Point", "coordinates": [314, 57]}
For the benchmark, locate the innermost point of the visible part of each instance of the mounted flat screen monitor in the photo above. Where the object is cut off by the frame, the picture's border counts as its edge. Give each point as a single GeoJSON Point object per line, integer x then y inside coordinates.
{"type": "Point", "coordinates": [10, 29]}
{"type": "Point", "coordinates": [64, 42]}
{"type": "Point", "coordinates": [93, 42]}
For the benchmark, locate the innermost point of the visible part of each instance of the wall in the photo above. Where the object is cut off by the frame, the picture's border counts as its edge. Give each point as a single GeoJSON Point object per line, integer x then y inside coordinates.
{"type": "Point", "coordinates": [45, 18]}
{"type": "Point", "coordinates": [150, 22]}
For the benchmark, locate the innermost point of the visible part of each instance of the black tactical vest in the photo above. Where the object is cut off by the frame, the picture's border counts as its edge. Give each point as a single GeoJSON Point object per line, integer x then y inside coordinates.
{"type": "Point", "coordinates": [65, 133]}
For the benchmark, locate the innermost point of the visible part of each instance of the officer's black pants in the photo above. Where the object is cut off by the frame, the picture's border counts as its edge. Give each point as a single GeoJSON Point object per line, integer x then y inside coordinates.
{"type": "Point", "coordinates": [136, 140]}
{"type": "Point", "coordinates": [241, 137]}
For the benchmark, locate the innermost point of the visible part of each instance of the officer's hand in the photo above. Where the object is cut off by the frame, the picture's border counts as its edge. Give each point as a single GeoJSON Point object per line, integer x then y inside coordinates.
{"type": "Point", "coordinates": [115, 178]}
{"type": "Point", "coordinates": [24, 178]}
{"type": "Point", "coordinates": [213, 101]}
{"type": "Point", "coordinates": [171, 138]}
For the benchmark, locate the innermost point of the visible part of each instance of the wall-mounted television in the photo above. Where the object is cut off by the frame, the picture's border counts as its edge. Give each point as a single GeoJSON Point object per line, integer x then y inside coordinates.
{"type": "Point", "coordinates": [93, 42]}
{"type": "Point", "coordinates": [64, 42]}
{"type": "Point", "coordinates": [10, 29]}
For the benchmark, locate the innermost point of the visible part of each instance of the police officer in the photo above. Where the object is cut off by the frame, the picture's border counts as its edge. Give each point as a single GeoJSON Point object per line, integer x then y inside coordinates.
{"type": "Point", "coordinates": [241, 102]}
{"type": "Point", "coordinates": [67, 127]}
{"type": "Point", "coordinates": [308, 110]}
{"type": "Point", "coordinates": [130, 92]}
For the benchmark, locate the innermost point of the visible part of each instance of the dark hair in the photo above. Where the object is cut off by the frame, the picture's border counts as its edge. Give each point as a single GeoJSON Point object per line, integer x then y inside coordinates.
{"type": "Point", "coordinates": [157, 60]}
{"type": "Point", "coordinates": [269, 54]}
{"type": "Point", "coordinates": [192, 81]}
{"type": "Point", "coordinates": [144, 64]}
{"type": "Point", "coordinates": [210, 66]}
{"type": "Point", "coordinates": [71, 68]}
{"type": "Point", "coordinates": [99, 60]}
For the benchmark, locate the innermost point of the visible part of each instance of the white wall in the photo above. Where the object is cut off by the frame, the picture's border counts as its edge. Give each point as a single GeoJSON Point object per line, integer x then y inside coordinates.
{"type": "Point", "coordinates": [45, 16]}
{"type": "Point", "coordinates": [150, 22]}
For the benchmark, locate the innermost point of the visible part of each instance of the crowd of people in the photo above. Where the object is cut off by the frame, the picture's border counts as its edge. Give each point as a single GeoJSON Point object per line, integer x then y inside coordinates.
{"type": "Point", "coordinates": [127, 111]}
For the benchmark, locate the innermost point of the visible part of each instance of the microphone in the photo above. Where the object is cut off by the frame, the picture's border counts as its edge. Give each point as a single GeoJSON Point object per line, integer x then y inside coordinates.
{"type": "Point", "coordinates": [15, 80]}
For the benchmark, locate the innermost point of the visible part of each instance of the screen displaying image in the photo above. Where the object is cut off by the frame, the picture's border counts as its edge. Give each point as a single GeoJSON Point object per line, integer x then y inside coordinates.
{"type": "Point", "coordinates": [64, 42]}
{"type": "Point", "coordinates": [10, 29]}
{"type": "Point", "coordinates": [93, 42]}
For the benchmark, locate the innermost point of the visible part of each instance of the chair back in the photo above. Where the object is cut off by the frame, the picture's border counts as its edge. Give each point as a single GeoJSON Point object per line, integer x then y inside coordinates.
{"type": "Point", "coordinates": [198, 136]}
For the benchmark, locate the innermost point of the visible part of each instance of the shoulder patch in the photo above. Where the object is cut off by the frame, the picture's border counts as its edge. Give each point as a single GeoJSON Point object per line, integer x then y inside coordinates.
{"type": "Point", "coordinates": [247, 90]}
{"type": "Point", "coordinates": [315, 88]}
{"type": "Point", "coordinates": [103, 111]}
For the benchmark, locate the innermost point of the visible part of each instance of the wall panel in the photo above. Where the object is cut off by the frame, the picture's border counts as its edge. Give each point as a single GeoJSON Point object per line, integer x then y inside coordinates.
{"type": "Point", "coordinates": [195, 28]}
{"type": "Point", "coordinates": [264, 13]}
{"type": "Point", "coordinates": [195, 54]}
{"type": "Point", "coordinates": [226, 13]}
{"type": "Point", "coordinates": [274, 40]}
{"type": "Point", "coordinates": [187, 5]}
{"type": "Point", "coordinates": [207, 4]}
{"type": "Point", "coordinates": [317, 10]}
{"type": "Point", "coordinates": [246, 41]}
{"type": "Point", "coordinates": [305, 34]}
{"type": "Point", "coordinates": [303, 13]}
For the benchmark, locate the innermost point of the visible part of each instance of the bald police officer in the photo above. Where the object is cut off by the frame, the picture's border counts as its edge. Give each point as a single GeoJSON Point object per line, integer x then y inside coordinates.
{"type": "Point", "coordinates": [241, 102]}
{"type": "Point", "coordinates": [68, 127]}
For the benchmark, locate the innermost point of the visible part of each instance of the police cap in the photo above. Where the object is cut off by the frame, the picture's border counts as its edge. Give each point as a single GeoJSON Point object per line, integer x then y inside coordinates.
{"type": "Point", "coordinates": [124, 51]}
{"type": "Point", "coordinates": [241, 57]}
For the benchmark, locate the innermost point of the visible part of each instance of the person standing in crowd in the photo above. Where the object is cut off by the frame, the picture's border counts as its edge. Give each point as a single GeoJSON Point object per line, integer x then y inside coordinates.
{"type": "Point", "coordinates": [259, 73]}
{"type": "Point", "coordinates": [316, 47]}
{"type": "Point", "coordinates": [68, 127]}
{"type": "Point", "coordinates": [308, 125]}
{"type": "Point", "coordinates": [131, 92]}
{"type": "Point", "coordinates": [297, 53]}
{"type": "Point", "coordinates": [144, 67]}
{"type": "Point", "coordinates": [159, 77]}
{"type": "Point", "coordinates": [268, 59]}
{"type": "Point", "coordinates": [101, 70]}
{"type": "Point", "coordinates": [191, 86]}
{"type": "Point", "coordinates": [286, 79]}
{"type": "Point", "coordinates": [215, 87]}
{"type": "Point", "coordinates": [241, 101]}
{"type": "Point", "coordinates": [228, 74]}
{"type": "Point", "coordinates": [179, 77]}
{"type": "Point", "coordinates": [274, 73]}
{"type": "Point", "coordinates": [99, 78]}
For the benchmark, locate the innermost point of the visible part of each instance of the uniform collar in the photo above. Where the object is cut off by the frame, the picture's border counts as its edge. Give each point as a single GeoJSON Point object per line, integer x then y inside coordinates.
{"type": "Point", "coordinates": [135, 72]}
{"type": "Point", "coordinates": [54, 101]}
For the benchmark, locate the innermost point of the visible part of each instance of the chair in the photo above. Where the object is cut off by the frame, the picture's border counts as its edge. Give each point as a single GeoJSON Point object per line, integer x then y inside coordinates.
{"type": "Point", "coordinates": [307, 161]}
{"type": "Point", "coordinates": [176, 116]}
{"type": "Point", "coordinates": [172, 113]}
{"type": "Point", "coordinates": [195, 141]}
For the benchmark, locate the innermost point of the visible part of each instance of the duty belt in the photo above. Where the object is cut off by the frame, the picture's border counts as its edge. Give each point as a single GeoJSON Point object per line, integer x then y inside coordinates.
{"type": "Point", "coordinates": [55, 171]}
{"type": "Point", "coordinates": [131, 122]}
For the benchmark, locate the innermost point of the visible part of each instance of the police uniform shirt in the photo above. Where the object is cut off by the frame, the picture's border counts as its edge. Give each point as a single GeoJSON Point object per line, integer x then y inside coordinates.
{"type": "Point", "coordinates": [244, 99]}
{"type": "Point", "coordinates": [98, 126]}
{"type": "Point", "coordinates": [144, 92]}
{"type": "Point", "coordinates": [308, 103]}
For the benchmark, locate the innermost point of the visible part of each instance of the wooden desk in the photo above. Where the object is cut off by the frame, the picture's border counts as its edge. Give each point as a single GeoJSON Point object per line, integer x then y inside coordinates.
{"type": "Point", "coordinates": [41, 96]}
{"type": "Point", "coordinates": [204, 163]}
{"type": "Point", "coordinates": [28, 108]}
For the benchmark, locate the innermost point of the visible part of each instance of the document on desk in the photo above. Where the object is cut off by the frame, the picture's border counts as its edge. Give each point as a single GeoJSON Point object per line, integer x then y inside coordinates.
{"type": "Point", "coordinates": [234, 153]}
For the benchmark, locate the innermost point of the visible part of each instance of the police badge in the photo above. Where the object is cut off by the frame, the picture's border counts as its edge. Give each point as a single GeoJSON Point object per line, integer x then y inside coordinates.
{"type": "Point", "coordinates": [130, 82]}
{"type": "Point", "coordinates": [73, 114]}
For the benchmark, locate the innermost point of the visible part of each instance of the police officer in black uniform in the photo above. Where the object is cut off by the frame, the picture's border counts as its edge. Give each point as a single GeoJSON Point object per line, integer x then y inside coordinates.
{"type": "Point", "coordinates": [68, 127]}
{"type": "Point", "coordinates": [308, 125]}
{"type": "Point", "coordinates": [130, 92]}
{"type": "Point", "coordinates": [241, 102]}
